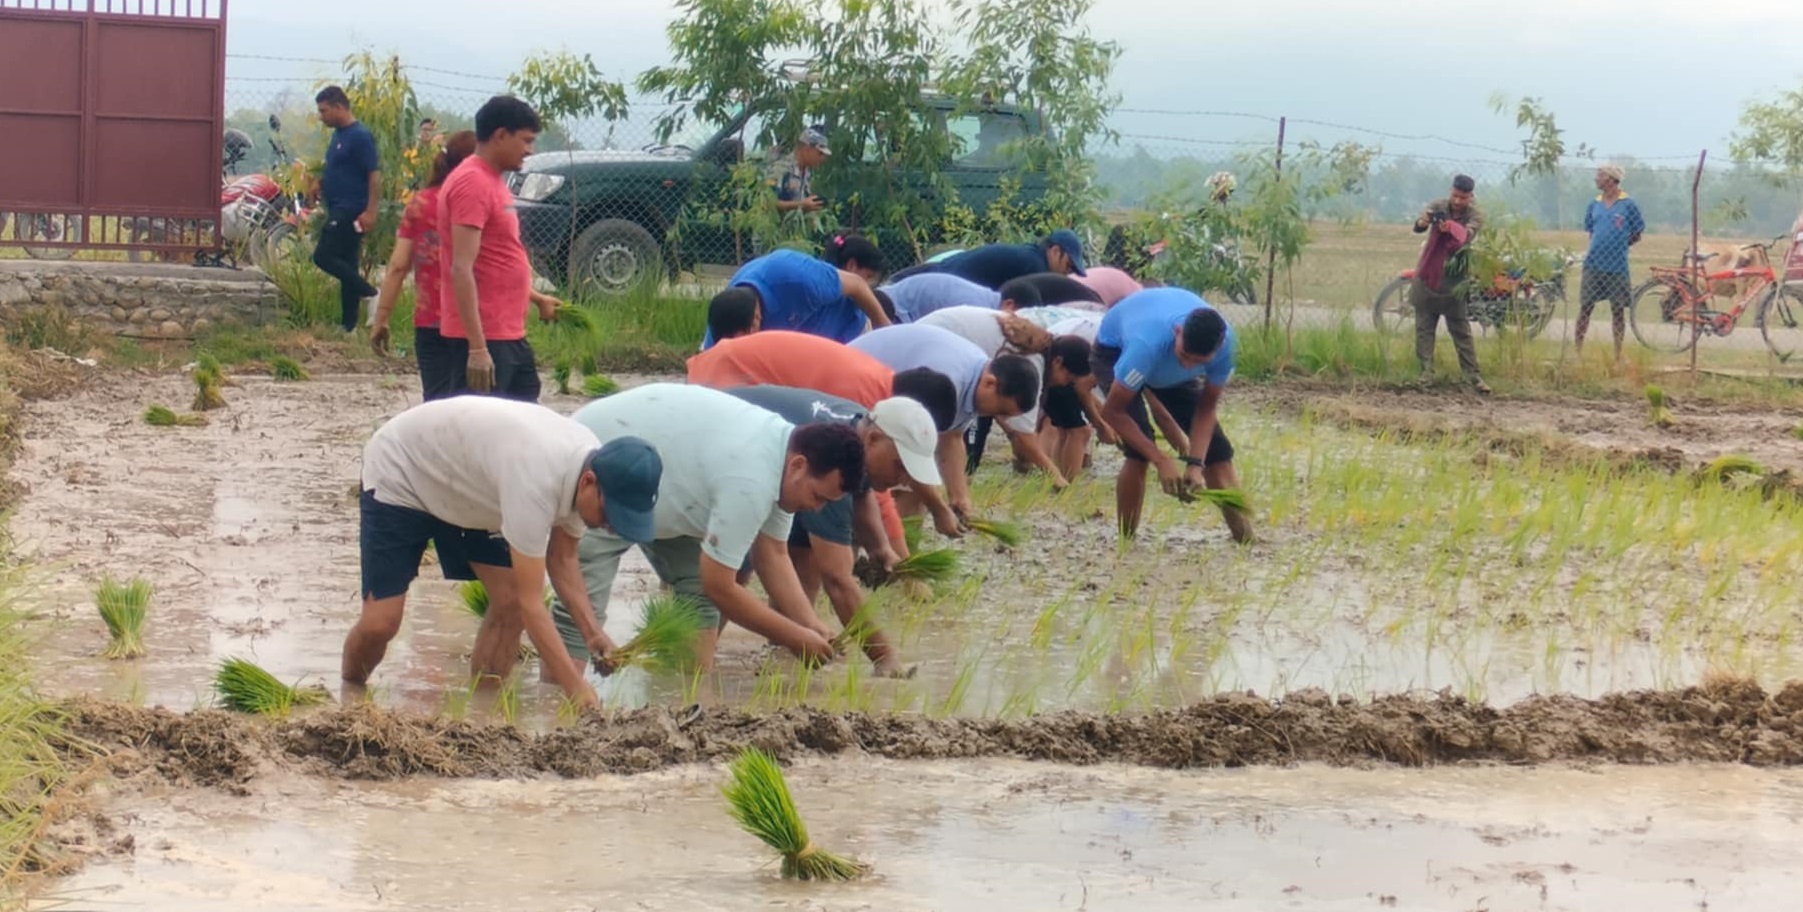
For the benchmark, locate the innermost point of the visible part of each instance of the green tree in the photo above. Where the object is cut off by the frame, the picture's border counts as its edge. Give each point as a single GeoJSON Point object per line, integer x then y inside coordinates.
{"type": "Point", "coordinates": [564, 87]}
{"type": "Point", "coordinates": [1772, 132]}
{"type": "Point", "coordinates": [1542, 150]}
{"type": "Point", "coordinates": [382, 98]}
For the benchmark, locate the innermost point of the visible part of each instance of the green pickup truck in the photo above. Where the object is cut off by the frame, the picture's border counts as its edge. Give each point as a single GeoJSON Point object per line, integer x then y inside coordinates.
{"type": "Point", "coordinates": [608, 220]}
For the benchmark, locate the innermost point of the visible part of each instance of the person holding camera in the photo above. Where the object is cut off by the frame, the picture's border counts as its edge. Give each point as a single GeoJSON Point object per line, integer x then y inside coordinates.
{"type": "Point", "coordinates": [1438, 289]}
{"type": "Point", "coordinates": [792, 175]}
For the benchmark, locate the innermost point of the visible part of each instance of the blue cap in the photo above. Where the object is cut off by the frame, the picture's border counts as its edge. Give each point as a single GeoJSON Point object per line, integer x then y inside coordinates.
{"type": "Point", "coordinates": [1066, 240]}
{"type": "Point", "coordinates": [628, 469]}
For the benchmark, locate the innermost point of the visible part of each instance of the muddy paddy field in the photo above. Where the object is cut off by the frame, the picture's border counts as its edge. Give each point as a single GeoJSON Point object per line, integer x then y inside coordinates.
{"type": "Point", "coordinates": [1471, 625]}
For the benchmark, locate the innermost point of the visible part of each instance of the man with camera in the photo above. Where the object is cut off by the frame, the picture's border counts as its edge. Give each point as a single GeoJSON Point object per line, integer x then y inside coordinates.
{"type": "Point", "coordinates": [1438, 289]}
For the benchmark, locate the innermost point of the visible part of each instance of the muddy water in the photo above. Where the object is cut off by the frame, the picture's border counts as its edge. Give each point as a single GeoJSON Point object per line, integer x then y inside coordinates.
{"type": "Point", "coordinates": [1010, 835]}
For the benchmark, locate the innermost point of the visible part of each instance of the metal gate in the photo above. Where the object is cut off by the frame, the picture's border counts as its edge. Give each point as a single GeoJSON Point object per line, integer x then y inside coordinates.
{"type": "Point", "coordinates": [113, 113]}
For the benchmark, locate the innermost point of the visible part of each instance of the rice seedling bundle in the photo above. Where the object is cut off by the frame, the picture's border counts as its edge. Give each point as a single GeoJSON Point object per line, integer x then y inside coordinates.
{"type": "Point", "coordinates": [245, 687]}
{"type": "Point", "coordinates": [1225, 498]}
{"type": "Point", "coordinates": [123, 607]}
{"type": "Point", "coordinates": [666, 638]}
{"type": "Point", "coordinates": [283, 369]}
{"type": "Point", "coordinates": [1656, 407]}
{"type": "Point", "coordinates": [596, 386]}
{"type": "Point", "coordinates": [927, 566]}
{"type": "Point", "coordinates": [758, 798]}
{"type": "Point", "coordinates": [163, 416]}
{"type": "Point", "coordinates": [206, 390]}
{"type": "Point", "coordinates": [1010, 534]}
{"type": "Point", "coordinates": [576, 317]}
{"type": "Point", "coordinates": [560, 376]}
{"type": "Point", "coordinates": [1723, 468]}
{"type": "Point", "coordinates": [473, 596]}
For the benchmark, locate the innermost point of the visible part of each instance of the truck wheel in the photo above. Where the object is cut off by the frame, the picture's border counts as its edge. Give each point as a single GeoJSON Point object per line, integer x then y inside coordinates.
{"type": "Point", "coordinates": [613, 256]}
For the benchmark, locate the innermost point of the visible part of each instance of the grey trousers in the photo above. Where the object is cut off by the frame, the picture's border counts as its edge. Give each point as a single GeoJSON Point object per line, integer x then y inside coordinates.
{"type": "Point", "coordinates": [1429, 308]}
{"type": "Point", "coordinates": [677, 562]}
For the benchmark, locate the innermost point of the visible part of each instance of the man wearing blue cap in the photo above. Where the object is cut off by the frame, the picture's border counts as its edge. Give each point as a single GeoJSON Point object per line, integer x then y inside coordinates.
{"type": "Point", "coordinates": [504, 490]}
{"type": "Point", "coordinates": [994, 265]}
{"type": "Point", "coordinates": [734, 476]}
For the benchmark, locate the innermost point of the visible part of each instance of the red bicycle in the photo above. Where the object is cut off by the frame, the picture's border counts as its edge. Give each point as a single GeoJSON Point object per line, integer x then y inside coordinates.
{"type": "Point", "coordinates": [1672, 310]}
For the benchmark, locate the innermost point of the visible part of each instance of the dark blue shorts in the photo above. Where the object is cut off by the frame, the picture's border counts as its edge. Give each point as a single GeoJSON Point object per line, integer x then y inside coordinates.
{"type": "Point", "coordinates": [831, 523]}
{"type": "Point", "coordinates": [439, 369]}
{"type": "Point", "coordinates": [392, 540]}
{"type": "Point", "coordinates": [1180, 401]}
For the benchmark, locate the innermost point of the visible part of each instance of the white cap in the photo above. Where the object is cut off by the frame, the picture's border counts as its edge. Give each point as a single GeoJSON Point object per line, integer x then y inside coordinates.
{"type": "Point", "coordinates": [911, 427]}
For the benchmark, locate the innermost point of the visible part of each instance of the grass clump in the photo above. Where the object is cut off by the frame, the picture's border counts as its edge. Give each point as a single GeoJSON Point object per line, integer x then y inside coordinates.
{"type": "Point", "coordinates": [758, 798]}
{"type": "Point", "coordinates": [164, 416]}
{"type": "Point", "coordinates": [245, 687]}
{"type": "Point", "coordinates": [596, 386]}
{"type": "Point", "coordinates": [666, 638]}
{"type": "Point", "coordinates": [123, 607]}
{"type": "Point", "coordinates": [1009, 534]}
{"type": "Point", "coordinates": [1657, 413]}
{"type": "Point", "coordinates": [283, 369]}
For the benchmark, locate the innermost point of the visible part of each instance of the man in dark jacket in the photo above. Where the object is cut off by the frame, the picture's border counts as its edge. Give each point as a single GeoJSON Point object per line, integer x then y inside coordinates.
{"type": "Point", "coordinates": [1438, 289]}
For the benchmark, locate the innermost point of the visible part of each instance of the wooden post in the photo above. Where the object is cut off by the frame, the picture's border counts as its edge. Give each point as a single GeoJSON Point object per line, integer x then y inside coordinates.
{"type": "Point", "coordinates": [1696, 256]}
{"type": "Point", "coordinates": [1271, 254]}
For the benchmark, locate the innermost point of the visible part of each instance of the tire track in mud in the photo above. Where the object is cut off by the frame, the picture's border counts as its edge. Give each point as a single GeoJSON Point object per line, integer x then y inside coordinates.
{"type": "Point", "coordinates": [1723, 722]}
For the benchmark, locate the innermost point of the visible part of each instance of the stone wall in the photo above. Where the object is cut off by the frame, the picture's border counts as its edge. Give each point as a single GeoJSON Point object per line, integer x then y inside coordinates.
{"type": "Point", "coordinates": [143, 300]}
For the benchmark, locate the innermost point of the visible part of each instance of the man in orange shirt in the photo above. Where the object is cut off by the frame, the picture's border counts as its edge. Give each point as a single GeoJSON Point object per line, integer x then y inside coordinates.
{"type": "Point", "coordinates": [803, 361]}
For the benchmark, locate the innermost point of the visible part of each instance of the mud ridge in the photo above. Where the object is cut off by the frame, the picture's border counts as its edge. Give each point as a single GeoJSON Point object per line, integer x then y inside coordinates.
{"type": "Point", "coordinates": [1733, 722]}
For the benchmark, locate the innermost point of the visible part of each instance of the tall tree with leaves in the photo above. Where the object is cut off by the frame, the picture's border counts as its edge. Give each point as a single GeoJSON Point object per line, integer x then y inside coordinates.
{"type": "Point", "coordinates": [1542, 150]}
{"type": "Point", "coordinates": [724, 54]}
{"type": "Point", "coordinates": [1772, 132]}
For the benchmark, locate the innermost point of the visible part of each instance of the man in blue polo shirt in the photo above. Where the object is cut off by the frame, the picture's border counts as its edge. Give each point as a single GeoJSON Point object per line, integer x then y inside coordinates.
{"type": "Point", "coordinates": [1169, 342]}
{"type": "Point", "coordinates": [351, 185]}
{"type": "Point", "coordinates": [993, 265]}
{"type": "Point", "coordinates": [1614, 224]}
{"type": "Point", "coordinates": [787, 289]}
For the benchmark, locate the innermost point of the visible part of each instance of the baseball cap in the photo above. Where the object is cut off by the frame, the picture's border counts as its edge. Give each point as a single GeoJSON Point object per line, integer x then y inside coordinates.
{"type": "Point", "coordinates": [911, 427]}
{"type": "Point", "coordinates": [1066, 240]}
{"type": "Point", "coordinates": [812, 136]}
{"type": "Point", "coordinates": [628, 470]}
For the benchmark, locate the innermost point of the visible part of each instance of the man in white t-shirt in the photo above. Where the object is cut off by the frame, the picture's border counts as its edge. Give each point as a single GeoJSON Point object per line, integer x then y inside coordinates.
{"type": "Point", "coordinates": [505, 490]}
{"type": "Point", "coordinates": [996, 333]}
{"type": "Point", "coordinates": [734, 475]}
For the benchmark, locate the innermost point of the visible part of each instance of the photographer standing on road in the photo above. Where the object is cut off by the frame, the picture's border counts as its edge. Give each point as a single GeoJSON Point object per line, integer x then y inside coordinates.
{"type": "Point", "coordinates": [1438, 289]}
{"type": "Point", "coordinates": [792, 176]}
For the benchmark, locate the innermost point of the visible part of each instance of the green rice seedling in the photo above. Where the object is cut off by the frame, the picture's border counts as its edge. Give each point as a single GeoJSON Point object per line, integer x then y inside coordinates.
{"type": "Point", "coordinates": [283, 369]}
{"type": "Point", "coordinates": [122, 607]}
{"type": "Point", "coordinates": [666, 638]}
{"type": "Point", "coordinates": [596, 386]}
{"type": "Point", "coordinates": [758, 799]}
{"type": "Point", "coordinates": [163, 416]}
{"type": "Point", "coordinates": [1660, 416]}
{"type": "Point", "coordinates": [1227, 498]}
{"type": "Point", "coordinates": [209, 362]}
{"type": "Point", "coordinates": [244, 687]}
{"type": "Point", "coordinates": [507, 700]}
{"type": "Point", "coordinates": [576, 317]}
{"type": "Point", "coordinates": [206, 390]}
{"type": "Point", "coordinates": [926, 566]}
{"type": "Point", "coordinates": [1724, 468]}
{"type": "Point", "coordinates": [913, 528]}
{"type": "Point", "coordinates": [1009, 534]}
{"type": "Point", "coordinates": [473, 596]}
{"type": "Point", "coordinates": [560, 375]}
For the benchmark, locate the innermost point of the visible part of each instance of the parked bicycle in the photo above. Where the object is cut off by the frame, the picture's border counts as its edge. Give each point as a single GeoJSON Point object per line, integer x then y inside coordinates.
{"type": "Point", "coordinates": [25, 227]}
{"type": "Point", "coordinates": [1674, 308]}
{"type": "Point", "coordinates": [1513, 299]}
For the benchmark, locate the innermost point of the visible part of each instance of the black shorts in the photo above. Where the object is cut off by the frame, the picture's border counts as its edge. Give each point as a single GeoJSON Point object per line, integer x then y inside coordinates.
{"type": "Point", "coordinates": [1180, 401]}
{"type": "Point", "coordinates": [439, 373]}
{"type": "Point", "coordinates": [391, 541]}
{"type": "Point", "coordinates": [1613, 287]}
{"type": "Point", "coordinates": [1063, 407]}
{"type": "Point", "coordinates": [516, 371]}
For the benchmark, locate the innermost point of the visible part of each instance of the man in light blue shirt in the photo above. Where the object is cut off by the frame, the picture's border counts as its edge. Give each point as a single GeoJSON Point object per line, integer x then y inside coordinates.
{"type": "Point", "coordinates": [1169, 342]}
{"type": "Point", "coordinates": [1003, 387]}
{"type": "Point", "coordinates": [919, 295]}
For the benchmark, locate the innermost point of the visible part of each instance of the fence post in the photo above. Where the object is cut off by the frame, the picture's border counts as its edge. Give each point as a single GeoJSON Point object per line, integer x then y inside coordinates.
{"type": "Point", "coordinates": [1271, 252]}
{"type": "Point", "coordinates": [1696, 254]}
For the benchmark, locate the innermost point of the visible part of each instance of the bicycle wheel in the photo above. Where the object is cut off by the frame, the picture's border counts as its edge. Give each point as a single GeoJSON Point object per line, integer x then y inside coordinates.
{"type": "Point", "coordinates": [1545, 300]}
{"type": "Point", "coordinates": [1391, 311]}
{"type": "Point", "coordinates": [1661, 319]}
{"type": "Point", "coordinates": [1780, 317]}
{"type": "Point", "coordinates": [31, 227]}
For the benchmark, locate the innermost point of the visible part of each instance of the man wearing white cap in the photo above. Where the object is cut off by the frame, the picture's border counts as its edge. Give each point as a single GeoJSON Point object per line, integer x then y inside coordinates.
{"type": "Point", "coordinates": [1614, 224]}
{"type": "Point", "coordinates": [900, 440]}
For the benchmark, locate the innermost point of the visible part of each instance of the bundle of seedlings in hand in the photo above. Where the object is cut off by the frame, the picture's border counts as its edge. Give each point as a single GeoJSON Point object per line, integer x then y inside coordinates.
{"type": "Point", "coordinates": [597, 386]}
{"type": "Point", "coordinates": [666, 639]}
{"type": "Point", "coordinates": [1226, 498]}
{"type": "Point", "coordinates": [283, 369]}
{"type": "Point", "coordinates": [758, 798]}
{"type": "Point", "coordinates": [1010, 534]}
{"type": "Point", "coordinates": [244, 687]}
{"type": "Point", "coordinates": [576, 317]}
{"type": "Point", "coordinates": [122, 607]}
{"type": "Point", "coordinates": [163, 416]}
{"type": "Point", "coordinates": [560, 375]}
{"type": "Point", "coordinates": [1660, 415]}
{"type": "Point", "coordinates": [206, 389]}
{"type": "Point", "coordinates": [926, 566]}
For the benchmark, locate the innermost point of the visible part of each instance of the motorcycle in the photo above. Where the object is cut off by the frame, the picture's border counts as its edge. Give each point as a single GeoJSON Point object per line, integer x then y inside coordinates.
{"type": "Point", "coordinates": [1512, 299]}
{"type": "Point", "coordinates": [255, 216]}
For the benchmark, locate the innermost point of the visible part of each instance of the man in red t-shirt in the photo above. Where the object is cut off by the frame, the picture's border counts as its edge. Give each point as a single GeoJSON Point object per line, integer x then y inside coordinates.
{"type": "Point", "coordinates": [487, 284]}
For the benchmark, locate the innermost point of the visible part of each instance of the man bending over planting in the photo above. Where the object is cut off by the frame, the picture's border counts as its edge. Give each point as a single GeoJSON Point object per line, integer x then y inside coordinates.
{"type": "Point", "coordinates": [458, 471]}
{"type": "Point", "coordinates": [1168, 341]}
{"type": "Point", "coordinates": [1002, 387]}
{"type": "Point", "coordinates": [734, 475]}
{"type": "Point", "coordinates": [899, 439]}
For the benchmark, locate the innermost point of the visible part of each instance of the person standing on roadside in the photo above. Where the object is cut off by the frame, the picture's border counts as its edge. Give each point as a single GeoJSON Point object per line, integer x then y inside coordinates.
{"type": "Point", "coordinates": [416, 250]}
{"type": "Point", "coordinates": [488, 280]}
{"type": "Point", "coordinates": [1614, 224]}
{"type": "Point", "coordinates": [351, 185]}
{"type": "Point", "coordinates": [1438, 289]}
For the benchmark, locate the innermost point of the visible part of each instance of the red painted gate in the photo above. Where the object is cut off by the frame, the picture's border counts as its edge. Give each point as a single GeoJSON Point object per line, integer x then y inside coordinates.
{"type": "Point", "coordinates": [112, 113]}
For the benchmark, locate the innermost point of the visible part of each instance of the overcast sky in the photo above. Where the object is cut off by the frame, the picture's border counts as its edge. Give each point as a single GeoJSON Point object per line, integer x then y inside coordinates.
{"type": "Point", "coordinates": [1656, 79]}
